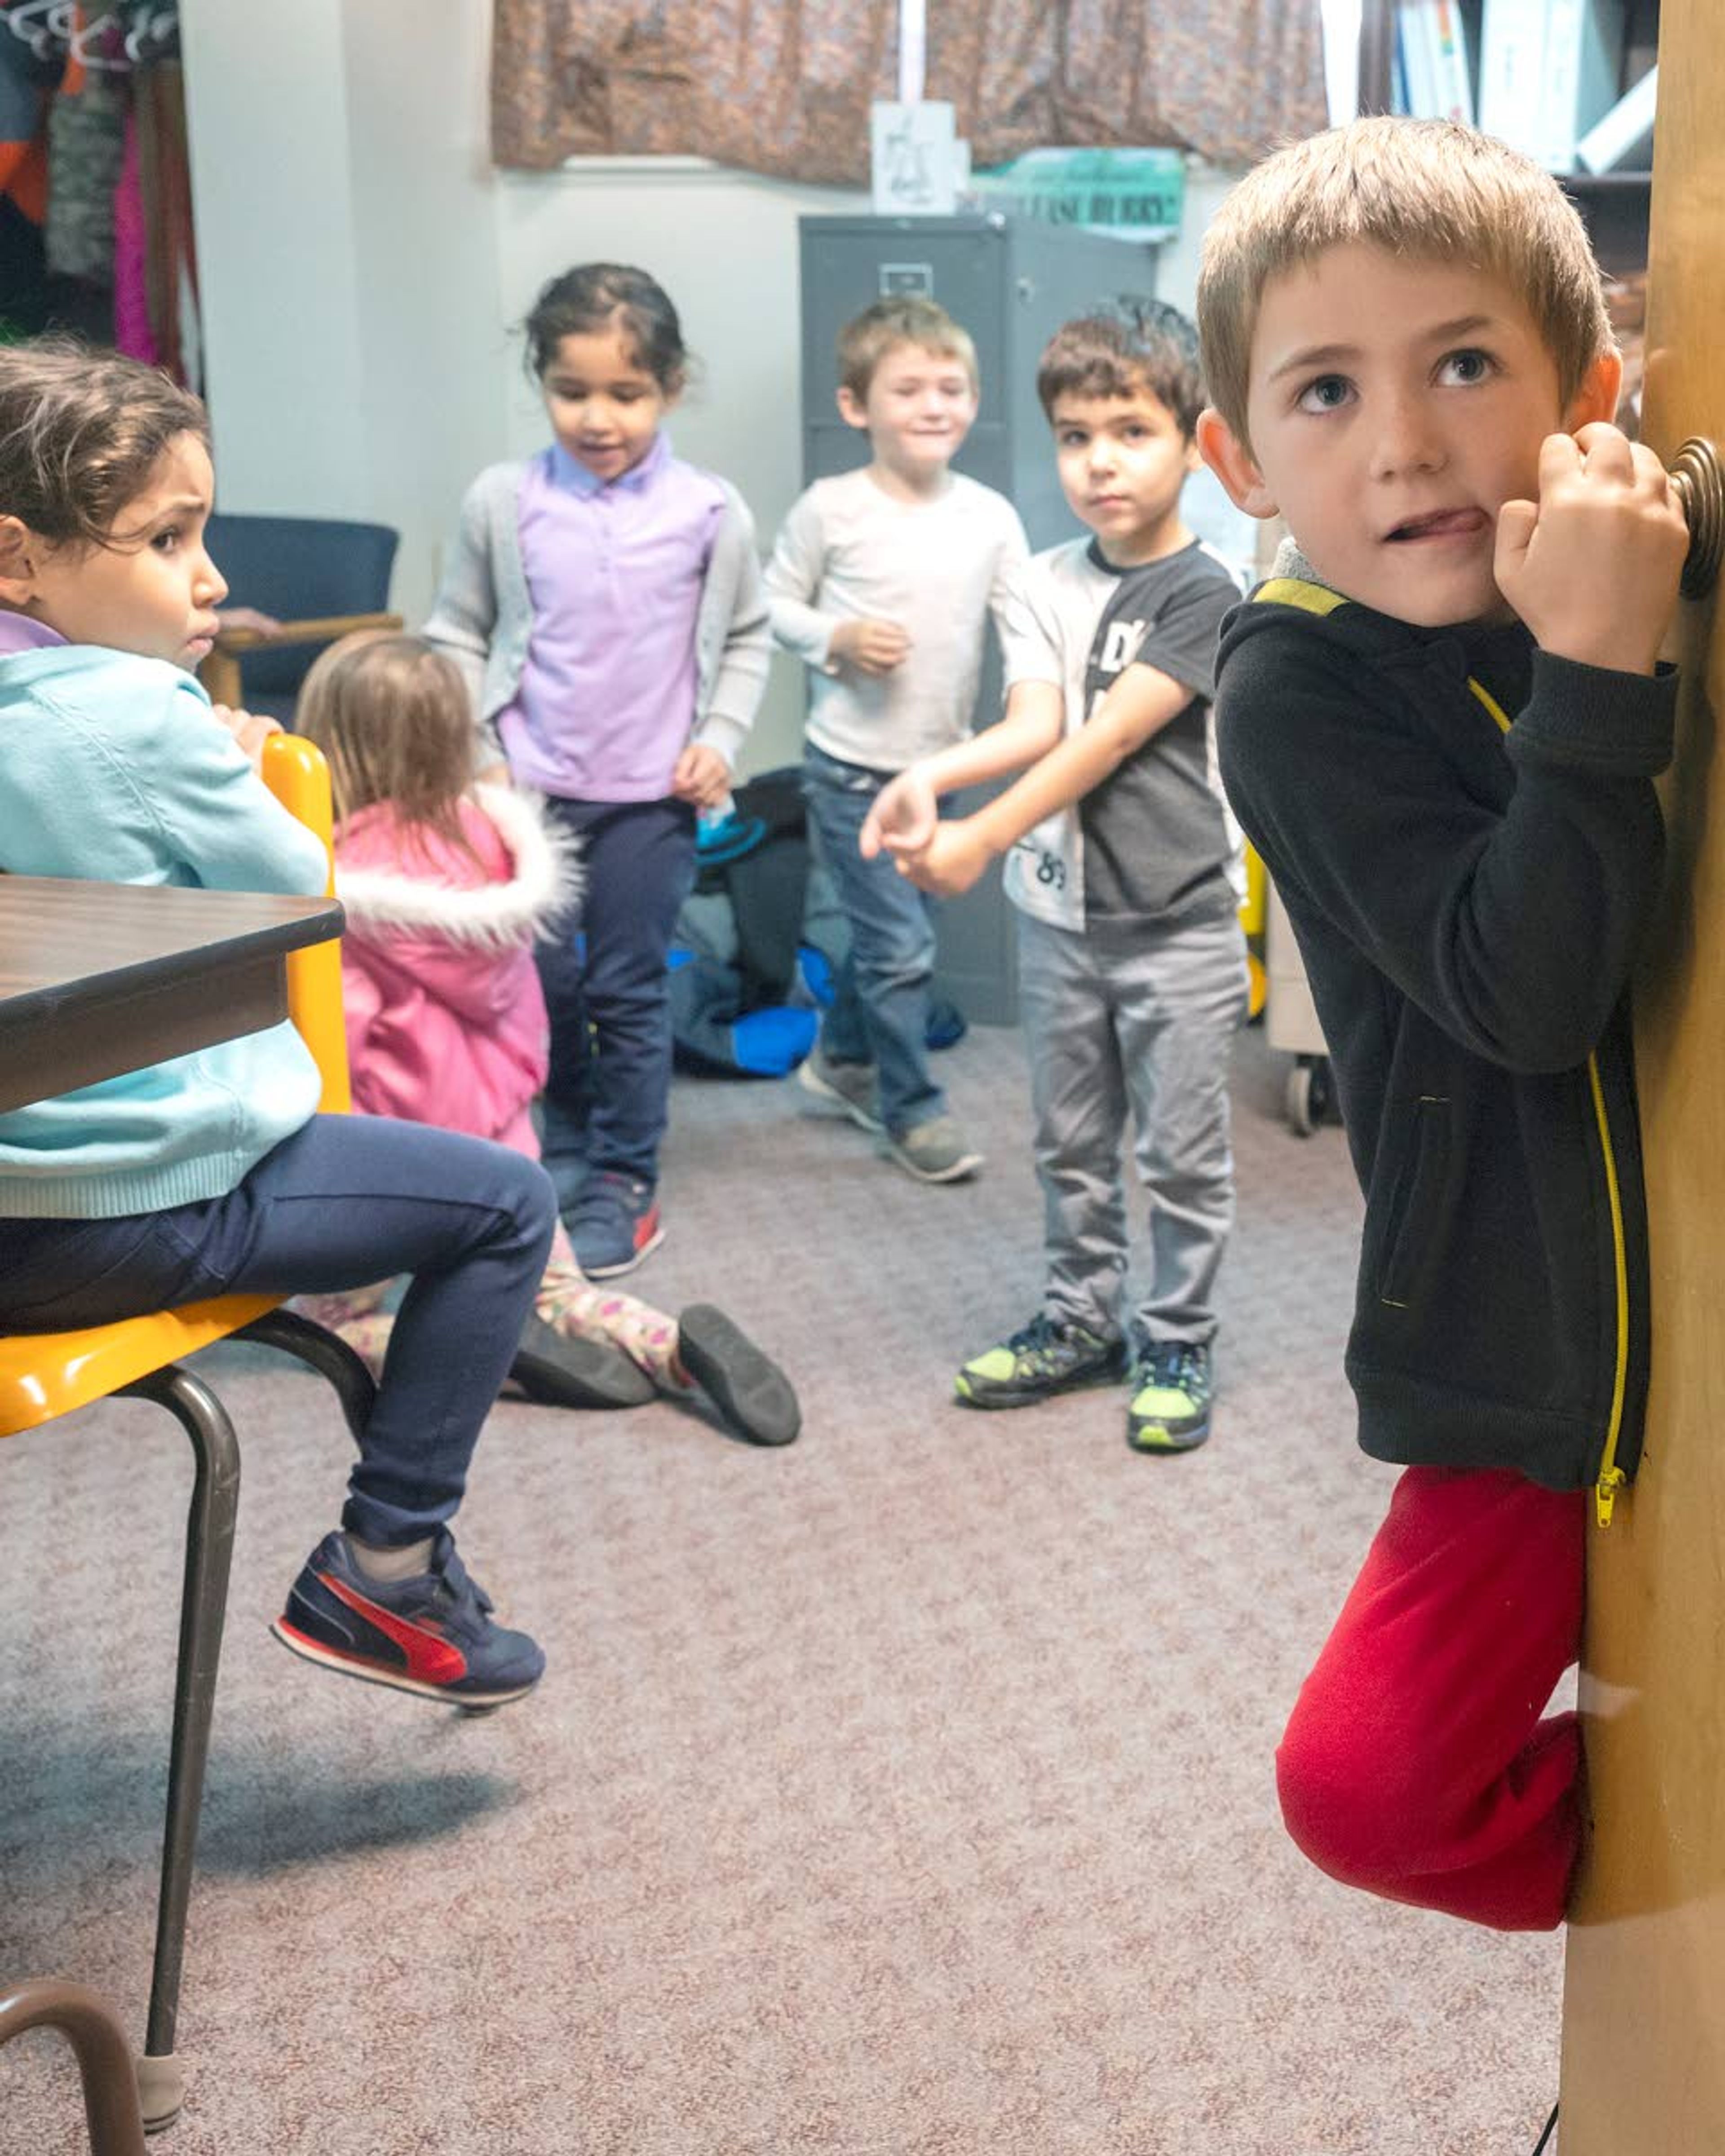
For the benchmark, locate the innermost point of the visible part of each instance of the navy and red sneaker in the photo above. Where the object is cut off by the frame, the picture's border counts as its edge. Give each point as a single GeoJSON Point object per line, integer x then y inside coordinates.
{"type": "Point", "coordinates": [430, 1634]}
{"type": "Point", "coordinates": [613, 1224]}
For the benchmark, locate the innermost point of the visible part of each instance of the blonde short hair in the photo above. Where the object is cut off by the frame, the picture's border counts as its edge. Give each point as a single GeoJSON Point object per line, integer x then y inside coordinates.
{"type": "Point", "coordinates": [393, 715]}
{"type": "Point", "coordinates": [1428, 189]}
{"type": "Point", "coordinates": [867, 338]}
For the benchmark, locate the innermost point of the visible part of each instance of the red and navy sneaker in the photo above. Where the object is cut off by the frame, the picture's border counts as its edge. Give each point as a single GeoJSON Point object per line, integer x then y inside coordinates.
{"type": "Point", "coordinates": [431, 1634]}
{"type": "Point", "coordinates": [613, 1224]}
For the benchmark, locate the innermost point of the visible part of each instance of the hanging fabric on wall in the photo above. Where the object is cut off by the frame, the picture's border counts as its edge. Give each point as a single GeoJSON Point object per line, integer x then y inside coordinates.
{"type": "Point", "coordinates": [93, 146]}
{"type": "Point", "coordinates": [165, 185]}
{"type": "Point", "coordinates": [27, 80]}
{"type": "Point", "coordinates": [30, 67]}
{"type": "Point", "coordinates": [784, 86]}
{"type": "Point", "coordinates": [86, 141]}
{"type": "Point", "coordinates": [132, 332]}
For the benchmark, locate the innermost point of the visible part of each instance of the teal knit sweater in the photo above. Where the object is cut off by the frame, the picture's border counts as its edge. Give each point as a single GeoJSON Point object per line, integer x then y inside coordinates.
{"type": "Point", "coordinates": [114, 768]}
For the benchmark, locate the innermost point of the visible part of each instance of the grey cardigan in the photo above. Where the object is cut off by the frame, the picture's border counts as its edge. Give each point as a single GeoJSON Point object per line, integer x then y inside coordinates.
{"type": "Point", "coordinates": [482, 615]}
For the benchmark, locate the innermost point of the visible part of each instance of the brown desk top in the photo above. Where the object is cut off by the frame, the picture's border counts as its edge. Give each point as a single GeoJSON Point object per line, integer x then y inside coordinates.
{"type": "Point", "coordinates": [63, 938]}
{"type": "Point", "coordinates": [96, 978]}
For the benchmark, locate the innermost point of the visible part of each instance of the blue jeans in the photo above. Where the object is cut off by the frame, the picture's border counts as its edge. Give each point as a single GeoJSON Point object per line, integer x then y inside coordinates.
{"type": "Point", "coordinates": [346, 1200]}
{"type": "Point", "coordinates": [880, 1012]}
{"type": "Point", "coordinates": [607, 988]}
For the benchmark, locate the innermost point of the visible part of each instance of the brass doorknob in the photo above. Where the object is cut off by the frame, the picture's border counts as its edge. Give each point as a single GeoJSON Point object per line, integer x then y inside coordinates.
{"type": "Point", "coordinates": [1700, 487]}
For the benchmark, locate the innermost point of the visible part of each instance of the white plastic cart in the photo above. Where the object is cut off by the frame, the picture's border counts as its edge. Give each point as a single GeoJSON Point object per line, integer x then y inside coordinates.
{"type": "Point", "coordinates": [1290, 1022]}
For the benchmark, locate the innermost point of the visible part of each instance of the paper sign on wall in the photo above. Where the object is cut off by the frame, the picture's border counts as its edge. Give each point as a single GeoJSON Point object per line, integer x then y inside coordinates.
{"type": "Point", "coordinates": [916, 162]}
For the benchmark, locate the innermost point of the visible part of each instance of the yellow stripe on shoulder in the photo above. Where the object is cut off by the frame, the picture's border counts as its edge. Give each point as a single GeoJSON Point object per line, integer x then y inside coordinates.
{"type": "Point", "coordinates": [1296, 591]}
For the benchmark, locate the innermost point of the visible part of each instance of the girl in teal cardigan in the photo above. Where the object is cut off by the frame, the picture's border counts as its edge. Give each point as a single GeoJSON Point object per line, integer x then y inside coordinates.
{"type": "Point", "coordinates": [213, 1173]}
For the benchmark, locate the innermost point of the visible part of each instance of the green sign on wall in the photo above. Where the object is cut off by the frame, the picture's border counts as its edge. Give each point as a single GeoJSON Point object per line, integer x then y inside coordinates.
{"type": "Point", "coordinates": [1140, 192]}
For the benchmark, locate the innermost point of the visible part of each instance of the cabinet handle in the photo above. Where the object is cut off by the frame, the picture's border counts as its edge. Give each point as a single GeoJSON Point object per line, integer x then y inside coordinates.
{"type": "Point", "coordinates": [1697, 479]}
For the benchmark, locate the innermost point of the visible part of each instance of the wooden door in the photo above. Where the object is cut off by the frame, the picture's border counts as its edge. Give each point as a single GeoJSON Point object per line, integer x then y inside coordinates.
{"type": "Point", "coordinates": [1644, 2021]}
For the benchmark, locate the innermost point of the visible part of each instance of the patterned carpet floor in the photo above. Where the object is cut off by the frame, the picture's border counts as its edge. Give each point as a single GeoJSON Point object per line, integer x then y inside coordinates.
{"type": "Point", "coordinates": [904, 1793]}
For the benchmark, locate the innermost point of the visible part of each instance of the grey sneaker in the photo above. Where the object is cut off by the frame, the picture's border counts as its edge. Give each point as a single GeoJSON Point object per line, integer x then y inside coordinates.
{"type": "Point", "coordinates": [842, 1089]}
{"type": "Point", "coordinates": [935, 1152]}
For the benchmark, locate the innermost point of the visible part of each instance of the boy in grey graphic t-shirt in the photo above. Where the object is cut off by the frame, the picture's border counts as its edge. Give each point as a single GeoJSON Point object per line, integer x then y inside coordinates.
{"type": "Point", "coordinates": [1120, 849]}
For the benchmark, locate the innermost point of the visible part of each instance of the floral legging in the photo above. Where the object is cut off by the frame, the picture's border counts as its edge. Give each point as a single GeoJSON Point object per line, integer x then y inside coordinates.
{"type": "Point", "coordinates": [568, 1300]}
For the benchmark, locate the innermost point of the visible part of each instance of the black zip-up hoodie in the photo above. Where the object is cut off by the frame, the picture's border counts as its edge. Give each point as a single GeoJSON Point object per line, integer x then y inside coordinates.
{"type": "Point", "coordinates": [1468, 903]}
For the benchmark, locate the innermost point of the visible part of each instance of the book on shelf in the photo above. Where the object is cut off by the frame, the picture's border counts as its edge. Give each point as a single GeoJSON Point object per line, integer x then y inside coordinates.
{"type": "Point", "coordinates": [1431, 56]}
{"type": "Point", "coordinates": [1413, 50]}
{"type": "Point", "coordinates": [1512, 68]}
{"type": "Point", "coordinates": [1623, 140]}
{"type": "Point", "coordinates": [1548, 73]}
{"type": "Point", "coordinates": [1448, 39]}
{"type": "Point", "coordinates": [1583, 48]}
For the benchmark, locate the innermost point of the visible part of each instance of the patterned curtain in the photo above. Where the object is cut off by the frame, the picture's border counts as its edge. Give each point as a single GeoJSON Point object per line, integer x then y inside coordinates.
{"type": "Point", "coordinates": [784, 86]}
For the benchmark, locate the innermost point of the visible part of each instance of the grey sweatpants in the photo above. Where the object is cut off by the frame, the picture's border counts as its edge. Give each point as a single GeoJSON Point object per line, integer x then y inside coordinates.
{"type": "Point", "coordinates": [1119, 1018]}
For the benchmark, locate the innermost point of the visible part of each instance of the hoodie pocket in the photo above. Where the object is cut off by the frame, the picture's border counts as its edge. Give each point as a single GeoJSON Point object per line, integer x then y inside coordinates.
{"type": "Point", "coordinates": [1410, 1238]}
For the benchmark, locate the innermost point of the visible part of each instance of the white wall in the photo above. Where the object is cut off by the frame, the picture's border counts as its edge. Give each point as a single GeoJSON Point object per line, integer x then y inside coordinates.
{"type": "Point", "coordinates": [278, 275]}
{"type": "Point", "coordinates": [346, 220]}
{"type": "Point", "coordinates": [425, 211]}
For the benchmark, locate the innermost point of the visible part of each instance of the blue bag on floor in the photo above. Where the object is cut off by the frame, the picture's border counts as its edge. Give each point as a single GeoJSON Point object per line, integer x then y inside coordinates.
{"type": "Point", "coordinates": [758, 941]}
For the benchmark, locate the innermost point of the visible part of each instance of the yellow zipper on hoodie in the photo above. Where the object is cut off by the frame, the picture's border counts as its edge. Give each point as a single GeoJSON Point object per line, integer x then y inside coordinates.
{"type": "Point", "coordinates": [1318, 598]}
{"type": "Point", "coordinates": [1612, 1477]}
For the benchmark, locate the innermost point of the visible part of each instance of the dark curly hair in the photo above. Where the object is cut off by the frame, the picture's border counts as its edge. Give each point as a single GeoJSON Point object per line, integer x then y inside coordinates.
{"type": "Point", "coordinates": [1129, 344]}
{"type": "Point", "coordinates": [81, 429]}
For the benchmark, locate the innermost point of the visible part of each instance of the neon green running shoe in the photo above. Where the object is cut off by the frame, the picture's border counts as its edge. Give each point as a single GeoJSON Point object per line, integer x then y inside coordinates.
{"type": "Point", "coordinates": [1042, 1358]}
{"type": "Point", "coordinates": [1170, 1407]}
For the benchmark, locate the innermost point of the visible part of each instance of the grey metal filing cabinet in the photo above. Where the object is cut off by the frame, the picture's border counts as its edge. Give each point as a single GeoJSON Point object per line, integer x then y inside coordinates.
{"type": "Point", "coordinates": [1011, 283]}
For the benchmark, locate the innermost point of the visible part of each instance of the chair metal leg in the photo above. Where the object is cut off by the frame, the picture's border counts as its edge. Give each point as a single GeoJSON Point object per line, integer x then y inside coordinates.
{"type": "Point", "coordinates": [210, 1519]}
{"type": "Point", "coordinates": [92, 2028]}
{"type": "Point", "coordinates": [321, 1351]}
{"type": "Point", "coordinates": [209, 1551]}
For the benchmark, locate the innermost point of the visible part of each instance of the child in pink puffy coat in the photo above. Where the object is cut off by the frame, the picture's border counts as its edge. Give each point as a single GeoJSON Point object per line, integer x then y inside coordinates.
{"type": "Point", "coordinates": [447, 884]}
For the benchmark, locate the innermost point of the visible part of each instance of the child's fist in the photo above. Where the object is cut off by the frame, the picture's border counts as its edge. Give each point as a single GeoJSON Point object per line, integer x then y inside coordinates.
{"type": "Point", "coordinates": [249, 729]}
{"type": "Point", "coordinates": [869, 644]}
{"type": "Point", "coordinates": [904, 818]}
{"type": "Point", "coordinates": [702, 778]}
{"type": "Point", "coordinates": [950, 863]}
{"type": "Point", "coordinates": [1592, 567]}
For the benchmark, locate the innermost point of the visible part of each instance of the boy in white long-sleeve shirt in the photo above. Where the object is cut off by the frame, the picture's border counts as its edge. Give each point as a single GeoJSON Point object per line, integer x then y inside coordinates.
{"type": "Point", "coordinates": [882, 582]}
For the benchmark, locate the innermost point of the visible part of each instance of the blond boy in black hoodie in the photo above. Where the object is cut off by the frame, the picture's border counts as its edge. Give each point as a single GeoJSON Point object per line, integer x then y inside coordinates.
{"type": "Point", "coordinates": [1439, 723]}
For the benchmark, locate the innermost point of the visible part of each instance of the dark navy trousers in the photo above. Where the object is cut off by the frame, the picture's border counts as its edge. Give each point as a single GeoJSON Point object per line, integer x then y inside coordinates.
{"type": "Point", "coordinates": [606, 987]}
{"type": "Point", "coordinates": [346, 1200]}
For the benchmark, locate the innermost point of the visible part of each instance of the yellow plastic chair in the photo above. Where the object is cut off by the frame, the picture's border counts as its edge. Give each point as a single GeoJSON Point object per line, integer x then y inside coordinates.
{"type": "Point", "coordinates": [46, 1374]}
{"type": "Point", "coordinates": [1251, 920]}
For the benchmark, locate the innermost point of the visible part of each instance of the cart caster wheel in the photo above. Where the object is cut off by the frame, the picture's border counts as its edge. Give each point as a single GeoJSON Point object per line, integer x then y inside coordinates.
{"type": "Point", "coordinates": [1306, 1097]}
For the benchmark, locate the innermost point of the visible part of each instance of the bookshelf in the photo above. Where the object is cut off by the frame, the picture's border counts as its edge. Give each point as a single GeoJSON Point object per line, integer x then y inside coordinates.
{"type": "Point", "coordinates": [1615, 207]}
{"type": "Point", "coordinates": [1614, 204]}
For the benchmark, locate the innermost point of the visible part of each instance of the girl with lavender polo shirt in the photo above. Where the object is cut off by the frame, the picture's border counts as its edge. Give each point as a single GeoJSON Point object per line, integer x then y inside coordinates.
{"type": "Point", "coordinates": [603, 601]}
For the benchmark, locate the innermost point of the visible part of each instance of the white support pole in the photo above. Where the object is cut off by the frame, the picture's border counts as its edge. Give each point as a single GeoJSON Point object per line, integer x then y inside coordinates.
{"type": "Point", "coordinates": [912, 50]}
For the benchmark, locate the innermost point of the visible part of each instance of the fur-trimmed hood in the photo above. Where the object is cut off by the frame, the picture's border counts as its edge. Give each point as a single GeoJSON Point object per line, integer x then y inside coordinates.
{"type": "Point", "coordinates": [374, 884]}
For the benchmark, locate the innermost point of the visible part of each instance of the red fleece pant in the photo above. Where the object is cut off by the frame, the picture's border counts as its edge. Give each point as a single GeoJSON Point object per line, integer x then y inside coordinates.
{"type": "Point", "coordinates": [1419, 1763]}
